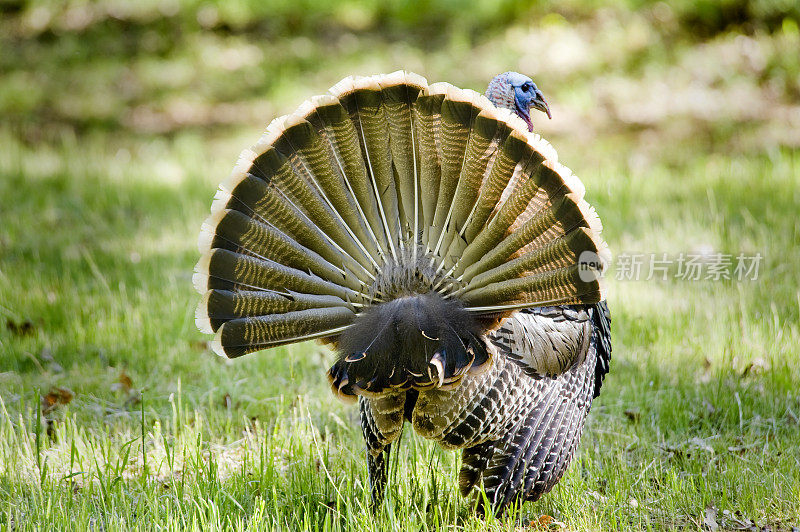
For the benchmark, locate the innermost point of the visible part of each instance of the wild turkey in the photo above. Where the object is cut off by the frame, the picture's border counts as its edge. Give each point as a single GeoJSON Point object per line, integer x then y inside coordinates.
{"type": "Point", "coordinates": [440, 248]}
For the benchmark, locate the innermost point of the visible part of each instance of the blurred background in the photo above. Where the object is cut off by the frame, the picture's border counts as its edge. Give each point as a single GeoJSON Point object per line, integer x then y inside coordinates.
{"type": "Point", "coordinates": [167, 67]}
{"type": "Point", "coordinates": [118, 119]}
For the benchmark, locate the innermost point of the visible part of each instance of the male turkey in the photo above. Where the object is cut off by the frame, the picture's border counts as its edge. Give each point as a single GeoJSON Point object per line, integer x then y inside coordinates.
{"type": "Point", "coordinates": [437, 244]}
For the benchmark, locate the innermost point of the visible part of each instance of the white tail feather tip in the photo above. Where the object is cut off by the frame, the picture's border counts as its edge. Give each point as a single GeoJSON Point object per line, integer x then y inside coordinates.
{"type": "Point", "coordinates": [201, 319]}
{"type": "Point", "coordinates": [200, 282]}
{"type": "Point", "coordinates": [205, 238]}
{"type": "Point", "coordinates": [221, 199]}
{"type": "Point", "coordinates": [200, 277]}
{"type": "Point", "coordinates": [216, 344]}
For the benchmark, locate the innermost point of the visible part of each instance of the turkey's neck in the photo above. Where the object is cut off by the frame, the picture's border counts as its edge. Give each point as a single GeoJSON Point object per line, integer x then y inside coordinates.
{"type": "Point", "coordinates": [512, 106]}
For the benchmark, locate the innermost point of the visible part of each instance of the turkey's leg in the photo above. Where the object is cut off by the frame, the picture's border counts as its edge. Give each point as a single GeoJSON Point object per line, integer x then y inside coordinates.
{"type": "Point", "coordinates": [381, 424]}
{"type": "Point", "coordinates": [378, 466]}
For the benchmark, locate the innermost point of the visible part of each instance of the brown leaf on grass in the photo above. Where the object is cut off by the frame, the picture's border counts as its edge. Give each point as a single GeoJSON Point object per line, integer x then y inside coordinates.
{"type": "Point", "coordinates": [633, 414]}
{"type": "Point", "coordinates": [547, 522]}
{"type": "Point", "coordinates": [20, 329]}
{"type": "Point", "coordinates": [56, 397]}
{"type": "Point", "coordinates": [123, 383]}
{"type": "Point", "coordinates": [50, 404]}
{"type": "Point", "coordinates": [227, 402]}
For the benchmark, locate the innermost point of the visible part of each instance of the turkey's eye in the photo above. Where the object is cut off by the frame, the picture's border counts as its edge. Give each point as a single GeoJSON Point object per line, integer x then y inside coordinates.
{"type": "Point", "coordinates": [526, 87]}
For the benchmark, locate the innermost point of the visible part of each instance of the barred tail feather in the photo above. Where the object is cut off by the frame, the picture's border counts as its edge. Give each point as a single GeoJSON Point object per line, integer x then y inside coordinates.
{"type": "Point", "coordinates": [238, 337]}
{"type": "Point", "coordinates": [458, 114]}
{"type": "Point", "coordinates": [364, 103]}
{"type": "Point", "coordinates": [427, 118]}
{"type": "Point", "coordinates": [399, 92]}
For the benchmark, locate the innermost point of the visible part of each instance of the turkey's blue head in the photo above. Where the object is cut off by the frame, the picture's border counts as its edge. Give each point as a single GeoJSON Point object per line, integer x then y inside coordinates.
{"type": "Point", "coordinates": [514, 91]}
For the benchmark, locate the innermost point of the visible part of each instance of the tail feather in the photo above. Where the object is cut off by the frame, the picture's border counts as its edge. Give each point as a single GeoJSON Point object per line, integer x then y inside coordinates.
{"type": "Point", "coordinates": [492, 218]}
{"type": "Point", "coordinates": [558, 253]}
{"type": "Point", "coordinates": [564, 215]}
{"type": "Point", "coordinates": [427, 117]}
{"type": "Point", "coordinates": [234, 231]}
{"type": "Point", "coordinates": [481, 149]}
{"type": "Point", "coordinates": [308, 157]}
{"type": "Point", "coordinates": [479, 152]}
{"type": "Point", "coordinates": [334, 124]}
{"type": "Point", "coordinates": [238, 337]}
{"type": "Point", "coordinates": [457, 117]}
{"type": "Point", "coordinates": [219, 306]}
{"type": "Point", "coordinates": [298, 186]}
{"type": "Point", "coordinates": [565, 286]}
{"type": "Point", "coordinates": [226, 270]}
{"type": "Point", "coordinates": [254, 197]}
{"type": "Point", "coordinates": [364, 103]}
{"type": "Point", "coordinates": [386, 189]}
{"type": "Point", "coordinates": [532, 193]}
{"type": "Point", "coordinates": [399, 92]}
{"type": "Point", "coordinates": [503, 163]}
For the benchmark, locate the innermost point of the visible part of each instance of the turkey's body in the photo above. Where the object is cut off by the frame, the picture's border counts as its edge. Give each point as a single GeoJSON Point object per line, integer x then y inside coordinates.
{"type": "Point", "coordinates": [446, 255]}
{"type": "Point", "coordinates": [518, 432]}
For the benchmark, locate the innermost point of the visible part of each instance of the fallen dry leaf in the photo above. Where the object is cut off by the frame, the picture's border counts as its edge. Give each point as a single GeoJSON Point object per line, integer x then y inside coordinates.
{"type": "Point", "coordinates": [123, 383]}
{"type": "Point", "coordinates": [20, 329]}
{"type": "Point", "coordinates": [56, 397]}
{"type": "Point", "coordinates": [547, 522]}
{"type": "Point", "coordinates": [633, 414]}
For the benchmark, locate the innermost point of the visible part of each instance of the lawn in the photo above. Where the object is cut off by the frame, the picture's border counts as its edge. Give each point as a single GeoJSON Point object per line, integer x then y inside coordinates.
{"type": "Point", "coordinates": [117, 124]}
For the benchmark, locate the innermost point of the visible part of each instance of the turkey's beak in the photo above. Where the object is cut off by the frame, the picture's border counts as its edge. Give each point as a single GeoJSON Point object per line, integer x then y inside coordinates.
{"type": "Point", "coordinates": [540, 104]}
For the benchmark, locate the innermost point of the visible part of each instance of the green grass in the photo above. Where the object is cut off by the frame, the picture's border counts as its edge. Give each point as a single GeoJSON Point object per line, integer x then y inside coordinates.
{"type": "Point", "coordinates": [107, 169]}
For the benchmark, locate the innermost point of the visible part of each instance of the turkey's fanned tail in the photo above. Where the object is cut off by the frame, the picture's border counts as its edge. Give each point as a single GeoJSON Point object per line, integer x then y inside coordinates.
{"type": "Point", "coordinates": [389, 188]}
